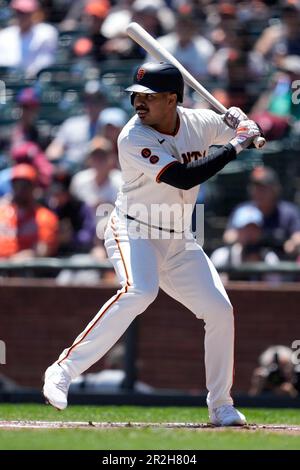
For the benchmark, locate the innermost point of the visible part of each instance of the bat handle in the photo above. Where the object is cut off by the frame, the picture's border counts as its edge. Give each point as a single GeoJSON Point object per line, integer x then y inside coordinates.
{"type": "Point", "coordinates": [259, 141]}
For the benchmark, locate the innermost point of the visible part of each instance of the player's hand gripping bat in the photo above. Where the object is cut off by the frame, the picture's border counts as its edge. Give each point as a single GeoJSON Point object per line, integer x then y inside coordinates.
{"type": "Point", "coordinates": [153, 47]}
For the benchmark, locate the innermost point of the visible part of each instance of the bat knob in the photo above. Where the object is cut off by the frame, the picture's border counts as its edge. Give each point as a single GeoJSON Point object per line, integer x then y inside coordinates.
{"type": "Point", "coordinates": [259, 142]}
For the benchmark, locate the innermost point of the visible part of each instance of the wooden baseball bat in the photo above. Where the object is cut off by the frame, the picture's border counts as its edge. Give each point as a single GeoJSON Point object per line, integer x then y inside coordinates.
{"type": "Point", "coordinates": [153, 47]}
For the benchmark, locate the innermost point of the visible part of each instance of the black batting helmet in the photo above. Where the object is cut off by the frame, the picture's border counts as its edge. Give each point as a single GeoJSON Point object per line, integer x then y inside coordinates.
{"type": "Point", "coordinates": [156, 78]}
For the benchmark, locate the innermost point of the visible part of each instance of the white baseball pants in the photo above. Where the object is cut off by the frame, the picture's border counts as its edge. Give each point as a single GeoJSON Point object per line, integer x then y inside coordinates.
{"type": "Point", "coordinates": [142, 266]}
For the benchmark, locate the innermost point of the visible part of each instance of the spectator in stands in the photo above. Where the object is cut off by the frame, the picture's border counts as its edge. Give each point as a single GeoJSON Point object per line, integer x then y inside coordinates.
{"type": "Point", "coordinates": [96, 186]}
{"type": "Point", "coordinates": [76, 218]}
{"type": "Point", "coordinates": [110, 123]}
{"type": "Point", "coordinates": [276, 111]}
{"type": "Point", "coordinates": [236, 89]}
{"type": "Point", "coordinates": [27, 45]}
{"type": "Point", "coordinates": [147, 13]}
{"type": "Point", "coordinates": [191, 49]}
{"type": "Point", "coordinates": [30, 153]}
{"type": "Point", "coordinates": [256, 12]}
{"type": "Point", "coordinates": [281, 219]}
{"type": "Point", "coordinates": [151, 14]}
{"type": "Point", "coordinates": [276, 373]}
{"type": "Point", "coordinates": [281, 38]}
{"type": "Point", "coordinates": [94, 41]}
{"type": "Point", "coordinates": [100, 183]}
{"type": "Point", "coordinates": [74, 135]}
{"type": "Point", "coordinates": [225, 24]}
{"type": "Point", "coordinates": [55, 11]}
{"type": "Point", "coordinates": [154, 15]}
{"type": "Point", "coordinates": [27, 229]}
{"type": "Point", "coordinates": [229, 40]}
{"type": "Point", "coordinates": [76, 11]}
{"type": "Point", "coordinates": [248, 222]}
{"type": "Point", "coordinates": [26, 129]}
{"type": "Point", "coordinates": [117, 20]}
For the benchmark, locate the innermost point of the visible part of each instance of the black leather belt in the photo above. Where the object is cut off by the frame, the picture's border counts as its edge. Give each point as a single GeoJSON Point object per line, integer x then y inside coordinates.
{"type": "Point", "coordinates": [149, 226]}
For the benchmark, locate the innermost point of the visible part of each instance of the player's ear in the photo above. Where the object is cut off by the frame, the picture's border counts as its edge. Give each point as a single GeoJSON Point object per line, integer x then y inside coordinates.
{"type": "Point", "coordinates": [172, 98]}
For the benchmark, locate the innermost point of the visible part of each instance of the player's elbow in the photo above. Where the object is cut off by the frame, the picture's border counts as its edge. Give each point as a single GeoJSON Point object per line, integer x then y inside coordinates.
{"type": "Point", "coordinates": [185, 185]}
{"type": "Point", "coordinates": [188, 185]}
{"type": "Point", "coordinates": [181, 185]}
{"type": "Point", "coordinates": [176, 176]}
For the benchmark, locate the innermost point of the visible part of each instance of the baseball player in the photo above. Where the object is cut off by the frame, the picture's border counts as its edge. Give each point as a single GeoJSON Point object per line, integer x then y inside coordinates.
{"type": "Point", "coordinates": [163, 152]}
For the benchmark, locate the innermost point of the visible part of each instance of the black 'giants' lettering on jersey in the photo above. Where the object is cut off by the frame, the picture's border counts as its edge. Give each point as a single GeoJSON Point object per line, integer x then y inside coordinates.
{"type": "Point", "coordinates": [192, 156]}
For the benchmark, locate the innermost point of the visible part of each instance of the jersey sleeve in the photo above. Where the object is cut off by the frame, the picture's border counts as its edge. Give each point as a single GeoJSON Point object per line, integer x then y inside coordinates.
{"type": "Point", "coordinates": [144, 153]}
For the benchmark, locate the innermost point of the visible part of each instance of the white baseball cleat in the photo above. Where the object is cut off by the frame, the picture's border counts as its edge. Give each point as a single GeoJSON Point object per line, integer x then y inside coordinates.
{"type": "Point", "coordinates": [226, 415]}
{"type": "Point", "coordinates": [56, 386]}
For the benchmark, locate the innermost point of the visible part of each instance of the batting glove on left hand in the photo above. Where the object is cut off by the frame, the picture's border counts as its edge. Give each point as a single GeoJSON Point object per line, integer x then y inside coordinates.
{"type": "Point", "coordinates": [234, 116]}
{"type": "Point", "coordinates": [245, 135]}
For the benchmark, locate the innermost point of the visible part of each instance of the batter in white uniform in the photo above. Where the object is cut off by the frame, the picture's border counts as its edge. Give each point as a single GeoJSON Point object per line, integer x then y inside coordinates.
{"type": "Point", "coordinates": [163, 152]}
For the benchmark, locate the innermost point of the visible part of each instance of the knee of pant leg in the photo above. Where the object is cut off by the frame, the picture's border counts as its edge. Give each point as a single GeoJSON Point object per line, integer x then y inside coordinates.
{"type": "Point", "coordinates": [149, 294]}
{"type": "Point", "coordinates": [144, 295]}
{"type": "Point", "coordinates": [227, 313]}
{"type": "Point", "coordinates": [220, 312]}
{"type": "Point", "coordinates": [225, 316]}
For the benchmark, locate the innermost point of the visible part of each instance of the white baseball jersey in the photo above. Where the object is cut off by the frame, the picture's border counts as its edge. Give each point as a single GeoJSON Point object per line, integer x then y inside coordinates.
{"type": "Point", "coordinates": [145, 153]}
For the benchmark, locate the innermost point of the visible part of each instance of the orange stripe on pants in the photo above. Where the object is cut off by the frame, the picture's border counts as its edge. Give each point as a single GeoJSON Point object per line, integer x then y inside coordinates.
{"type": "Point", "coordinates": [125, 288]}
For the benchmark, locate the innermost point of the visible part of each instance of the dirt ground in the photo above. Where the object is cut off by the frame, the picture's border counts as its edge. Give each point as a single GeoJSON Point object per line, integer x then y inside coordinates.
{"type": "Point", "coordinates": [282, 428]}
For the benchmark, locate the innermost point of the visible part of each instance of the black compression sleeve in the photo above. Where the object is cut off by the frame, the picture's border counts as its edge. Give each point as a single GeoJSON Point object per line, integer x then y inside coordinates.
{"type": "Point", "coordinates": [188, 175]}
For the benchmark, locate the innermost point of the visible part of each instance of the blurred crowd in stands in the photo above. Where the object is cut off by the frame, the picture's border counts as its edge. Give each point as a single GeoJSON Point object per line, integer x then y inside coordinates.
{"type": "Point", "coordinates": [63, 68]}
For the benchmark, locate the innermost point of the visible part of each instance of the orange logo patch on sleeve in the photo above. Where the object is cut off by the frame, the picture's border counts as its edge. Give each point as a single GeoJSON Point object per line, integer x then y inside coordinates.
{"type": "Point", "coordinates": [146, 153]}
{"type": "Point", "coordinates": [154, 159]}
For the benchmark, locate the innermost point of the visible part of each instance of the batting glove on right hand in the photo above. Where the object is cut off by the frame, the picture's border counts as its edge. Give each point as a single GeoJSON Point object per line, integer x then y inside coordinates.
{"type": "Point", "coordinates": [244, 135]}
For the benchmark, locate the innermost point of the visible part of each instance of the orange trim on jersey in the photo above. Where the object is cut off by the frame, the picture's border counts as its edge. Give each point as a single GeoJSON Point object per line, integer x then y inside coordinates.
{"type": "Point", "coordinates": [123, 291]}
{"type": "Point", "coordinates": [163, 169]}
